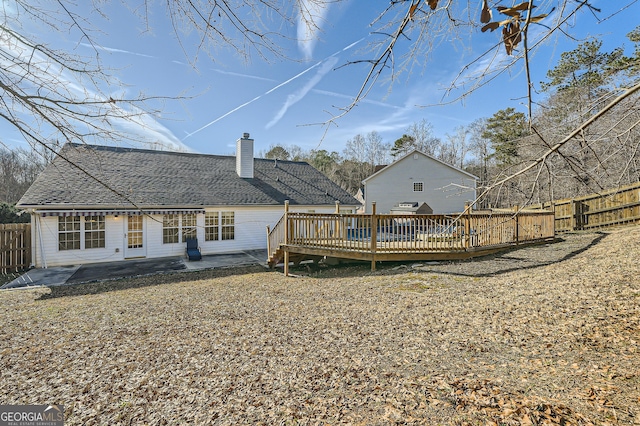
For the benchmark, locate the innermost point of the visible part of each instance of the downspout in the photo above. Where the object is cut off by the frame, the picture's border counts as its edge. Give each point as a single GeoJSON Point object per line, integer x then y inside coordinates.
{"type": "Point", "coordinates": [32, 237]}
{"type": "Point", "coordinates": [39, 231]}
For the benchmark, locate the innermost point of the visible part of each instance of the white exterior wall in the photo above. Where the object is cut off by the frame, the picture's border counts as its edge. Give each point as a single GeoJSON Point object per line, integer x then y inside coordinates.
{"type": "Point", "coordinates": [250, 234]}
{"type": "Point", "coordinates": [443, 186]}
{"type": "Point", "coordinates": [45, 231]}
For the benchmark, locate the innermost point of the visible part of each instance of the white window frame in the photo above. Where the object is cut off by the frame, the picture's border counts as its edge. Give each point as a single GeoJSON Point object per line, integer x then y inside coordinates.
{"type": "Point", "coordinates": [171, 228]}
{"type": "Point", "coordinates": [227, 225]}
{"type": "Point", "coordinates": [212, 226]}
{"type": "Point", "coordinates": [81, 232]}
{"type": "Point", "coordinates": [95, 234]}
{"type": "Point", "coordinates": [67, 227]}
{"type": "Point", "coordinates": [221, 224]}
{"type": "Point", "coordinates": [188, 226]}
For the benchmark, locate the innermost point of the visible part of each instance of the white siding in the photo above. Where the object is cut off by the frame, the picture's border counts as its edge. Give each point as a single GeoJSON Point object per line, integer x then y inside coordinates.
{"type": "Point", "coordinates": [445, 189]}
{"type": "Point", "coordinates": [250, 234]}
{"type": "Point", "coordinates": [48, 226]}
{"type": "Point", "coordinates": [250, 227]}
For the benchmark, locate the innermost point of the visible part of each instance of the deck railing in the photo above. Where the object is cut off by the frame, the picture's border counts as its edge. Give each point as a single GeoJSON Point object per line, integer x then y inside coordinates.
{"type": "Point", "coordinates": [401, 233]}
{"type": "Point", "coordinates": [397, 233]}
{"type": "Point", "coordinates": [276, 236]}
{"type": "Point", "coordinates": [406, 233]}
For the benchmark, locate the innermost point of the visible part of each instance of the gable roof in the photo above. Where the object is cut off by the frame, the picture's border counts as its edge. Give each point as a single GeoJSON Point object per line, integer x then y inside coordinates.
{"type": "Point", "coordinates": [416, 151]}
{"type": "Point", "coordinates": [144, 178]}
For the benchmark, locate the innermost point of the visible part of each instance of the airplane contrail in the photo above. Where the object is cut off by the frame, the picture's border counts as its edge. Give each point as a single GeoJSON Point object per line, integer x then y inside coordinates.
{"type": "Point", "coordinates": [301, 73]}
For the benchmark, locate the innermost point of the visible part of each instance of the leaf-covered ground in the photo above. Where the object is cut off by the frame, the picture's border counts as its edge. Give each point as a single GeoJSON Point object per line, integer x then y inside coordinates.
{"type": "Point", "coordinates": [541, 335]}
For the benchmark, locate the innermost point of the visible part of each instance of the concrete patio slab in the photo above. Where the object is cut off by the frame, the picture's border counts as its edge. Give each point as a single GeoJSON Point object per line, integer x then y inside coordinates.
{"type": "Point", "coordinates": [249, 257]}
{"type": "Point", "coordinates": [77, 274]}
{"type": "Point", "coordinates": [43, 277]}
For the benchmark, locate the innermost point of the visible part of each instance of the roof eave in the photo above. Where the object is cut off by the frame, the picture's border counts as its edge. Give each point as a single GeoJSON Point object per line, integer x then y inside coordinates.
{"type": "Point", "coordinates": [426, 155]}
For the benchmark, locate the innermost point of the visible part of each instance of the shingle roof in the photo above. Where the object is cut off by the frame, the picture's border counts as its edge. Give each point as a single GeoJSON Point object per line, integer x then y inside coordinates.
{"type": "Point", "coordinates": [159, 178]}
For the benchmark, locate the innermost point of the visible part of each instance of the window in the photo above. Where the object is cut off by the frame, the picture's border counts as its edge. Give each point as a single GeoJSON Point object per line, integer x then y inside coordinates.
{"type": "Point", "coordinates": [69, 233]}
{"type": "Point", "coordinates": [418, 186]}
{"type": "Point", "coordinates": [179, 227]}
{"type": "Point", "coordinates": [211, 223]}
{"type": "Point", "coordinates": [170, 228]}
{"type": "Point", "coordinates": [219, 226]}
{"type": "Point", "coordinates": [71, 230]}
{"type": "Point", "coordinates": [188, 226]}
{"type": "Point", "coordinates": [228, 226]}
{"type": "Point", "coordinates": [94, 232]}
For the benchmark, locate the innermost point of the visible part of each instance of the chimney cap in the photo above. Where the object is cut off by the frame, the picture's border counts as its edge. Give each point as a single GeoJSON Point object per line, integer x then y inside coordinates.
{"type": "Point", "coordinates": [245, 136]}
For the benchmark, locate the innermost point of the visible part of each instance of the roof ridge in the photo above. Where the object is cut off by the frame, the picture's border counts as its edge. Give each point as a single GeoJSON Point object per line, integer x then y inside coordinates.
{"type": "Point", "coordinates": [141, 150]}
{"type": "Point", "coordinates": [112, 148]}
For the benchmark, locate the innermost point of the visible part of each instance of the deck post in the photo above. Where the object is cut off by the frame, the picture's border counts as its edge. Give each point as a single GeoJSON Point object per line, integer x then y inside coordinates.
{"type": "Point", "coordinates": [553, 222]}
{"type": "Point", "coordinates": [286, 262]}
{"type": "Point", "coordinates": [374, 235]}
{"type": "Point", "coordinates": [516, 208]}
{"type": "Point", "coordinates": [337, 232]}
{"type": "Point", "coordinates": [286, 238]}
{"type": "Point", "coordinates": [268, 242]}
{"type": "Point", "coordinates": [467, 225]}
{"type": "Point", "coordinates": [286, 222]}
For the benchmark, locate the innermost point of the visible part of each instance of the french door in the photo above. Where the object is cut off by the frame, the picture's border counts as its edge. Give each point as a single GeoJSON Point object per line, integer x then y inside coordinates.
{"type": "Point", "coordinates": [134, 237]}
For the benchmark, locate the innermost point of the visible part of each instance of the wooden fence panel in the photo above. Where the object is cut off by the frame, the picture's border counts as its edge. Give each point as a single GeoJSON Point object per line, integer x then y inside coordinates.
{"type": "Point", "coordinates": [15, 247]}
{"type": "Point", "coordinates": [614, 207]}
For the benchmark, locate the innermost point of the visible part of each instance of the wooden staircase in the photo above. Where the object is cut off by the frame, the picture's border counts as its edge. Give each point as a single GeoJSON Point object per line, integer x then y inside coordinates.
{"type": "Point", "coordinates": [275, 257]}
{"type": "Point", "coordinates": [276, 239]}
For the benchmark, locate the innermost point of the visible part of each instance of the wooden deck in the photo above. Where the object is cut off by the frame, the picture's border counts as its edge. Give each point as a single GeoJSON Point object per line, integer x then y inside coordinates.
{"type": "Point", "coordinates": [378, 238]}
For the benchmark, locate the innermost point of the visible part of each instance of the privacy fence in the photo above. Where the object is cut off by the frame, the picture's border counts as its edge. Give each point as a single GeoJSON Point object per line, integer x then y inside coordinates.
{"type": "Point", "coordinates": [614, 207]}
{"type": "Point", "coordinates": [15, 247]}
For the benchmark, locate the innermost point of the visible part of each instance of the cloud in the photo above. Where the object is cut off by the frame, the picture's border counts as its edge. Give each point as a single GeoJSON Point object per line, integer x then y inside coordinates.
{"type": "Point", "coordinates": [311, 19]}
{"type": "Point", "coordinates": [332, 58]}
{"type": "Point", "coordinates": [226, 114]}
{"type": "Point", "coordinates": [124, 120]}
{"type": "Point", "coordinates": [151, 133]}
{"type": "Point", "coordinates": [297, 96]}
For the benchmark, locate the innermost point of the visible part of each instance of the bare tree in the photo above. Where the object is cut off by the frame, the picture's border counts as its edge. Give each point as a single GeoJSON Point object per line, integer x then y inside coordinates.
{"type": "Point", "coordinates": [18, 169]}
{"type": "Point", "coordinates": [49, 94]}
{"type": "Point", "coordinates": [425, 140]}
{"type": "Point", "coordinates": [361, 155]}
{"type": "Point", "coordinates": [39, 84]}
{"type": "Point", "coordinates": [456, 147]}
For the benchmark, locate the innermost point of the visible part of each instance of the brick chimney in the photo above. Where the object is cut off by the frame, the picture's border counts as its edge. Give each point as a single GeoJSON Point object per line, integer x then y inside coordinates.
{"type": "Point", "coordinates": [244, 156]}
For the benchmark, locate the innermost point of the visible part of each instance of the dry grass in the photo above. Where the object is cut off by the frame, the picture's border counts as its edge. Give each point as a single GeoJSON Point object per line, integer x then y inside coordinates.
{"type": "Point", "coordinates": [544, 335]}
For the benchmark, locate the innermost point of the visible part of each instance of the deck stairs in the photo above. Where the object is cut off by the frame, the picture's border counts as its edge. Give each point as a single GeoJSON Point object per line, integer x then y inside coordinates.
{"type": "Point", "coordinates": [276, 244]}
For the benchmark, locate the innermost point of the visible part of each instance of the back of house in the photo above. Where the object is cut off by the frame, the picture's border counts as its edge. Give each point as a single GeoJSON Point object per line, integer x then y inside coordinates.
{"type": "Point", "coordinates": [101, 204]}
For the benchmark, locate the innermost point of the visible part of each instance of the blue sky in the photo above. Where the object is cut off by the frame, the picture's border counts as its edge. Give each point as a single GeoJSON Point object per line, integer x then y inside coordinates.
{"type": "Point", "coordinates": [280, 102]}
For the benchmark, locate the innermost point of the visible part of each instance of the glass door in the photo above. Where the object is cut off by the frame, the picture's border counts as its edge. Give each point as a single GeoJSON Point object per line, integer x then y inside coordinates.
{"type": "Point", "coordinates": [134, 237]}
